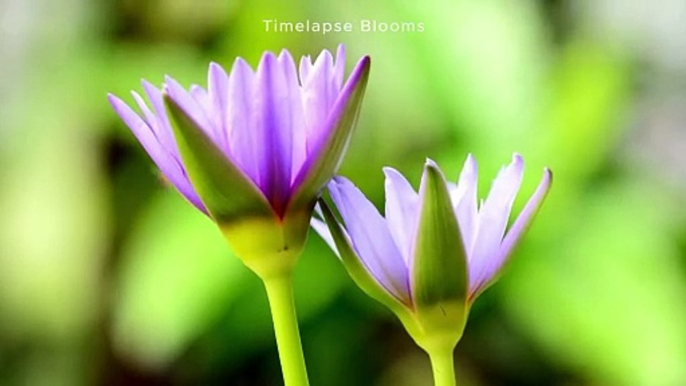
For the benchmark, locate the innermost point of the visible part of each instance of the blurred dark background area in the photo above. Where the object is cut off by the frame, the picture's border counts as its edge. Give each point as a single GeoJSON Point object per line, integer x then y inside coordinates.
{"type": "Point", "coordinates": [107, 277]}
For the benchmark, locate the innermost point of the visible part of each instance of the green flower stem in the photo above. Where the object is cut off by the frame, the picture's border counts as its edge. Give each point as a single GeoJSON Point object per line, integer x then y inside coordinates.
{"type": "Point", "coordinates": [280, 294]}
{"type": "Point", "coordinates": [443, 367]}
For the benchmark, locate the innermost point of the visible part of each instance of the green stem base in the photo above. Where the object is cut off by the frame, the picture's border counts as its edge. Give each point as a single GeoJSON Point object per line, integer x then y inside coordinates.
{"type": "Point", "coordinates": [280, 294]}
{"type": "Point", "coordinates": [443, 367]}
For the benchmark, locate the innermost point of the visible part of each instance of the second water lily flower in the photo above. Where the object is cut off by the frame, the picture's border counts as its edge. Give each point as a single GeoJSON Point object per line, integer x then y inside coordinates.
{"type": "Point", "coordinates": [434, 252]}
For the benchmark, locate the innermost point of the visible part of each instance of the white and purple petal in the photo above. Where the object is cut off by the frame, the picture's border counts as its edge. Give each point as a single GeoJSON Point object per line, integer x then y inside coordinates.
{"type": "Point", "coordinates": [218, 91]}
{"type": "Point", "coordinates": [317, 87]}
{"type": "Point", "coordinates": [275, 129]}
{"type": "Point", "coordinates": [241, 112]}
{"type": "Point", "coordinates": [520, 225]}
{"type": "Point", "coordinates": [163, 158]}
{"type": "Point", "coordinates": [401, 211]}
{"type": "Point", "coordinates": [371, 238]}
{"type": "Point", "coordinates": [464, 198]}
{"type": "Point", "coordinates": [492, 221]}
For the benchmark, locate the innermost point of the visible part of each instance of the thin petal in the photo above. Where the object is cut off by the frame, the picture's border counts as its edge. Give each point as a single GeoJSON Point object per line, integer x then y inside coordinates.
{"type": "Point", "coordinates": [189, 105]}
{"type": "Point", "coordinates": [150, 118]}
{"type": "Point", "coordinates": [168, 165]}
{"type": "Point", "coordinates": [321, 165]}
{"type": "Point", "coordinates": [339, 70]}
{"type": "Point", "coordinates": [401, 211]}
{"type": "Point", "coordinates": [295, 108]}
{"type": "Point", "coordinates": [275, 123]}
{"type": "Point", "coordinates": [358, 271]}
{"type": "Point", "coordinates": [140, 129]}
{"type": "Point", "coordinates": [492, 221]}
{"type": "Point", "coordinates": [317, 99]}
{"type": "Point", "coordinates": [371, 238]}
{"type": "Point", "coordinates": [163, 129]}
{"type": "Point", "coordinates": [519, 227]}
{"type": "Point", "coordinates": [323, 231]}
{"type": "Point", "coordinates": [464, 200]}
{"type": "Point", "coordinates": [305, 68]}
{"type": "Point", "coordinates": [241, 120]}
{"type": "Point", "coordinates": [218, 90]}
{"type": "Point", "coordinates": [202, 98]}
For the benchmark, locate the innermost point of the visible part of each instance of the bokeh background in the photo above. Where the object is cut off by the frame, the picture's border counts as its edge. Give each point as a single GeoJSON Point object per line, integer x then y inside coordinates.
{"type": "Point", "coordinates": [107, 277]}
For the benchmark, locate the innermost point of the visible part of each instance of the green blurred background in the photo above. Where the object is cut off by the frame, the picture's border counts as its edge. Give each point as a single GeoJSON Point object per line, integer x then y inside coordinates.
{"type": "Point", "coordinates": [107, 277]}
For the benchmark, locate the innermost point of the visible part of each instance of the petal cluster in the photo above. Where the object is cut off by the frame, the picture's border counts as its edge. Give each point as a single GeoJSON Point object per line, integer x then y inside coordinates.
{"type": "Point", "coordinates": [276, 124]}
{"type": "Point", "coordinates": [387, 247]}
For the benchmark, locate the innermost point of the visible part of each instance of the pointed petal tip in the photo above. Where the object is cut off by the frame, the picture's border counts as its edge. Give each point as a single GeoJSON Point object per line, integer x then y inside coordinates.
{"type": "Point", "coordinates": [267, 57]}
{"type": "Point", "coordinates": [286, 59]}
{"type": "Point", "coordinates": [470, 164]}
{"type": "Point", "coordinates": [517, 159]}
{"type": "Point", "coordinates": [113, 98]}
{"type": "Point", "coordinates": [215, 67]}
{"type": "Point", "coordinates": [325, 53]}
{"type": "Point", "coordinates": [547, 175]}
{"type": "Point", "coordinates": [429, 163]}
{"type": "Point", "coordinates": [136, 96]}
{"type": "Point", "coordinates": [361, 68]}
{"type": "Point", "coordinates": [391, 174]}
{"type": "Point", "coordinates": [119, 106]}
{"type": "Point", "coordinates": [365, 62]}
{"type": "Point", "coordinates": [240, 61]}
{"type": "Point", "coordinates": [338, 180]}
{"type": "Point", "coordinates": [431, 170]}
{"type": "Point", "coordinates": [150, 87]}
{"type": "Point", "coordinates": [389, 170]}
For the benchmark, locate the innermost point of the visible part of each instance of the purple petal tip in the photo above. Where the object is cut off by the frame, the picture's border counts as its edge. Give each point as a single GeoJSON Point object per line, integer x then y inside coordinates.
{"type": "Point", "coordinates": [267, 56]}
{"type": "Point", "coordinates": [214, 66]}
{"type": "Point", "coordinates": [147, 84]}
{"type": "Point", "coordinates": [517, 158]}
{"type": "Point", "coordinates": [240, 61]}
{"type": "Point", "coordinates": [388, 169]}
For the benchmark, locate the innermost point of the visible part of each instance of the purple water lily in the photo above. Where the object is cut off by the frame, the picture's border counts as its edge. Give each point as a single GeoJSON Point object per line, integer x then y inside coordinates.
{"type": "Point", "coordinates": [387, 247]}
{"type": "Point", "coordinates": [284, 130]}
{"type": "Point", "coordinates": [254, 151]}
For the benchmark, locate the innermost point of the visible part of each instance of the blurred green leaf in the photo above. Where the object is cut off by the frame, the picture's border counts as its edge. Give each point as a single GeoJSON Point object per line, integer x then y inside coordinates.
{"type": "Point", "coordinates": [604, 292]}
{"type": "Point", "coordinates": [178, 276]}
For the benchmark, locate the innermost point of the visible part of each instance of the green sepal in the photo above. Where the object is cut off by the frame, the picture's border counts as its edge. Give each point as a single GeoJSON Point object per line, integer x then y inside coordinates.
{"type": "Point", "coordinates": [312, 180]}
{"type": "Point", "coordinates": [227, 193]}
{"type": "Point", "coordinates": [440, 284]}
{"type": "Point", "coordinates": [265, 243]}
